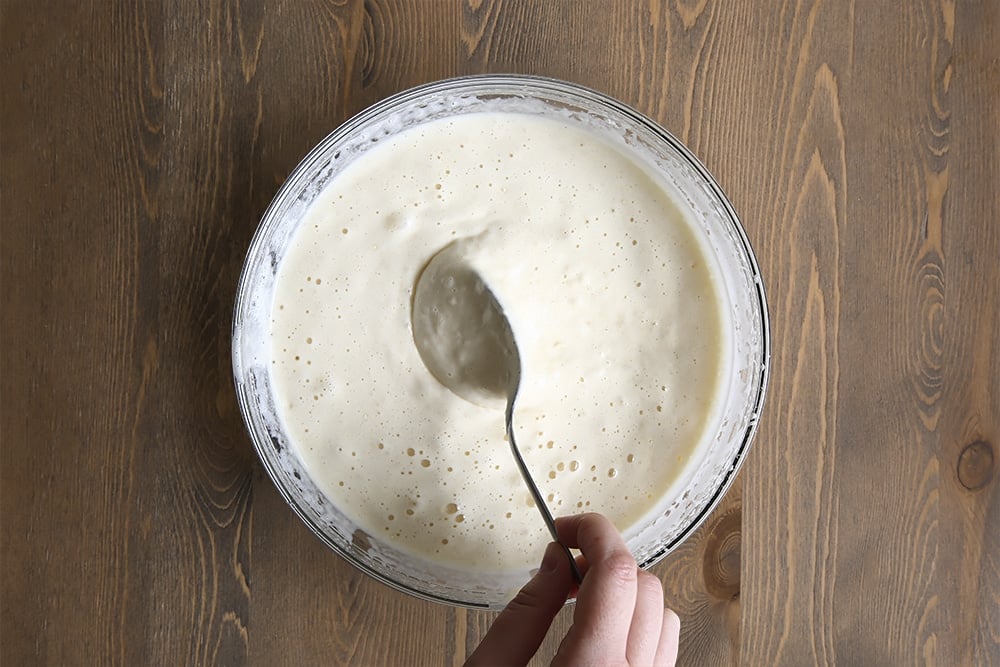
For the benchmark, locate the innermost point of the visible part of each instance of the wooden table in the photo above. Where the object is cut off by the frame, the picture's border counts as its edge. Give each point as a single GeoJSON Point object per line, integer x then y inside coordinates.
{"type": "Point", "coordinates": [142, 141]}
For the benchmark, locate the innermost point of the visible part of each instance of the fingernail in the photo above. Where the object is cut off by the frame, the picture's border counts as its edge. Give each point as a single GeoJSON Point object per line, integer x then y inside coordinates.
{"type": "Point", "coordinates": [550, 561]}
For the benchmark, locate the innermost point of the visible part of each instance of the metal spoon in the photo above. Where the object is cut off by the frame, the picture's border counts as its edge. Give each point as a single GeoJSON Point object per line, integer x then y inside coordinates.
{"type": "Point", "coordinates": [466, 342]}
{"type": "Point", "coordinates": [515, 384]}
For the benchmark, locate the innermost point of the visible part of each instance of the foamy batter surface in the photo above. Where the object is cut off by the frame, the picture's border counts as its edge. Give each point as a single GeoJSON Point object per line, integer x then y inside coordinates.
{"type": "Point", "coordinates": [612, 302]}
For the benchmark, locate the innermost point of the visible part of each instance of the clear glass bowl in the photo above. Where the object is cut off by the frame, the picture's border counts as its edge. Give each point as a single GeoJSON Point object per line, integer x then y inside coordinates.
{"type": "Point", "coordinates": [706, 477]}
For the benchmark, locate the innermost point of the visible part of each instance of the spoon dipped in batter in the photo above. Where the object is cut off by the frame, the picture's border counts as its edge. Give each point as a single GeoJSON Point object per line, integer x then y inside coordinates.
{"type": "Point", "coordinates": [466, 342]}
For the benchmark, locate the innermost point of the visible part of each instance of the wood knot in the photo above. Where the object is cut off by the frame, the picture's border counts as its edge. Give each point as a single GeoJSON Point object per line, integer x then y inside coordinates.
{"type": "Point", "coordinates": [721, 561]}
{"type": "Point", "coordinates": [975, 465]}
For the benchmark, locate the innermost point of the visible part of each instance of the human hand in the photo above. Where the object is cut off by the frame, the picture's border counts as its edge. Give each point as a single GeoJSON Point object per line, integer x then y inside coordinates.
{"type": "Point", "coordinates": [619, 617]}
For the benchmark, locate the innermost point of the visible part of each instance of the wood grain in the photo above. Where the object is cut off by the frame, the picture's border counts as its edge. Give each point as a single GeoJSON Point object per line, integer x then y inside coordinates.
{"type": "Point", "coordinates": [793, 510]}
{"type": "Point", "coordinates": [140, 143]}
{"type": "Point", "coordinates": [77, 154]}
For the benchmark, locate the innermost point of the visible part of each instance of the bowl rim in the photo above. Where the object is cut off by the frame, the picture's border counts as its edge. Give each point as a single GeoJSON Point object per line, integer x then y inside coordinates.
{"type": "Point", "coordinates": [504, 84]}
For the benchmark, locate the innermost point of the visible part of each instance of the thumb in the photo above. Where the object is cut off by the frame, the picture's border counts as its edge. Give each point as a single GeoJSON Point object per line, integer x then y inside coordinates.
{"type": "Point", "coordinates": [520, 628]}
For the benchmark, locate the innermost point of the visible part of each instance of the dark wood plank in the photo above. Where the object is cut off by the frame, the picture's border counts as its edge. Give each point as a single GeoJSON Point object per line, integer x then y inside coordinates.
{"type": "Point", "coordinates": [964, 321]}
{"type": "Point", "coordinates": [859, 544]}
{"type": "Point", "coordinates": [80, 134]}
{"type": "Point", "coordinates": [209, 190]}
{"type": "Point", "coordinates": [796, 199]}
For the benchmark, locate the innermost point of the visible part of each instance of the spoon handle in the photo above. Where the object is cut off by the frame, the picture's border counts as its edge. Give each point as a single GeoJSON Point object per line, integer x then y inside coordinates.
{"type": "Point", "coordinates": [536, 494]}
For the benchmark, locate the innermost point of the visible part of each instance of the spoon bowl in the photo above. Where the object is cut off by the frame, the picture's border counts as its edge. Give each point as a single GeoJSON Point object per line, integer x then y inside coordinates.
{"type": "Point", "coordinates": [460, 331]}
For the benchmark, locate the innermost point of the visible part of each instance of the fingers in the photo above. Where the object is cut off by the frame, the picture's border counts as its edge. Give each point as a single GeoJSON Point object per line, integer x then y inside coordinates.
{"type": "Point", "coordinates": [647, 621]}
{"type": "Point", "coordinates": [666, 652]}
{"type": "Point", "coordinates": [619, 614]}
{"type": "Point", "coordinates": [607, 596]}
{"type": "Point", "coordinates": [520, 628]}
{"type": "Point", "coordinates": [592, 533]}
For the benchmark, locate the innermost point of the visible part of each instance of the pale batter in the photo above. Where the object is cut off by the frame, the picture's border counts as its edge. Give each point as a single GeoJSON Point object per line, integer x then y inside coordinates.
{"type": "Point", "coordinates": [614, 305]}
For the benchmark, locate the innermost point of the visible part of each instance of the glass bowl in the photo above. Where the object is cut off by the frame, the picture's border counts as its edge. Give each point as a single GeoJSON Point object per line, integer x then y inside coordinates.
{"type": "Point", "coordinates": [706, 476]}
